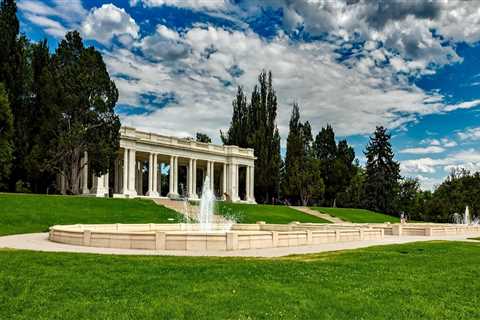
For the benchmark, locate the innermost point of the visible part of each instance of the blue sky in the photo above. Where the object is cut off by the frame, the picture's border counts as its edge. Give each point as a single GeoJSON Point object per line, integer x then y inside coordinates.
{"type": "Point", "coordinates": [412, 66]}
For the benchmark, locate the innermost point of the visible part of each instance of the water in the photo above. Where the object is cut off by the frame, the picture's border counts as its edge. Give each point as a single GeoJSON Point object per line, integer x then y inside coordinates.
{"type": "Point", "coordinates": [465, 219]}
{"type": "Point", "coordinates": [207, 207]}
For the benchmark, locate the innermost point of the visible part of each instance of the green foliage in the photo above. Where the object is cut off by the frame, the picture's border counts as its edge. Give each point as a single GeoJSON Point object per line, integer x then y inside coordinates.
{"type": "Point", "coordinates": [460, 189]}
{"type": "Point", "coordinates": [382, 173]}
{"type": "Point", "coordinates": [409, 281]}
{"type": "Point", "coordinates": [87, 120]}
{"type": "Point", "coordinates": [254, 126]}
{"type": "Point", "coordinates": [21, 213]}
{"type": "Point", "coordinates": [302, 181]}
{"type": "Point", "coordinates": [6, 136]}
{"type": "Point", "coordinates": [251, 213]}
{"type": "Point", "coordinates": [357, 215]}
{"type": "Point", "coordinates": [202, 137]}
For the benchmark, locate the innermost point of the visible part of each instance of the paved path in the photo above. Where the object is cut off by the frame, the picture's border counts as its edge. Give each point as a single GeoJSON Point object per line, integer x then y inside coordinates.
{"type": "Point", "coordinates": [40, 242]}
{"type": "Point", "coordinates": [315, 213]}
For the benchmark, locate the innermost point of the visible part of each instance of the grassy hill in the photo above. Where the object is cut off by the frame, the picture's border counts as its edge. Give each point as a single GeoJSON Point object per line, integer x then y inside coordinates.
{"type": "Point", "coordinates": [251, 213]}
{"type": "Point", "coordinates": [20, 213]}
{"type": "Point", "coordinates": [357, 215]}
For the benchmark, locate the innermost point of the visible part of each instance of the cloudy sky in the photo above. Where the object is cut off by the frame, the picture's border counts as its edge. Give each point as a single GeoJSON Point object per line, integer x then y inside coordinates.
{"type": "Point", "coordinates": [412, 66]}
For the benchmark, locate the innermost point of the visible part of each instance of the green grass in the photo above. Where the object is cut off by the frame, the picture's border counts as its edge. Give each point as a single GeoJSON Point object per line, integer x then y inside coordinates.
{"type": "Point", "coordinates": [35, 213]}
{"type": "Point", "coordinates": [357, 215]}
{"type": "Point", "coordinates": [411, 281]}
{"type": "Point", "coordinates": [251, 213]}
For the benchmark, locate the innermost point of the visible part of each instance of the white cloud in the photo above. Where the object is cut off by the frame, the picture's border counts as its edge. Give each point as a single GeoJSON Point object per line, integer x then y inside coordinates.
{"type": "Point", "coordinates": [108, 21]}
{"type": "Point", "coordinates": [470, 134]}
{"type": "Point", "coordinates": [423, 150]}
{"type": "Point", "coordinates": [353, 98]}
{"type": "Point", "coordinates": [469, 159]}
{"type": "Point", "coordinates": [192, 4]}
{"type": "Point", "coordinates": [55, 18]}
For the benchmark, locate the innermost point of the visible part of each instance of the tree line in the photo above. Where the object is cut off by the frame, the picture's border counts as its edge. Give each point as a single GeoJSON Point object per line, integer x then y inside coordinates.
{"type": "Point", "coordinates": [318, 170]}
{"type": "Point", "coordinates": [53, 108]}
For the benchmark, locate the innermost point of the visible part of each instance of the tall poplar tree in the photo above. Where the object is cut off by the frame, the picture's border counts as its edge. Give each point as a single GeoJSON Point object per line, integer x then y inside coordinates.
{"type": "Point", "coordinates": [382, 173]}
{"type": "Point", "coordinates": [254, 126]}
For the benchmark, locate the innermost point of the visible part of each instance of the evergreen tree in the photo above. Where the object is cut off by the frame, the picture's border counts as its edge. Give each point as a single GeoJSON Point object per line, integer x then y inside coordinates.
{"type": "Point", "coordinates": [302, 180]}
{"type": "Point", "coordinates": [382, 173]}
{"type": "Point", "coordinates": [254, 126]}
{"type": "Point", "coordinates": [14, 73]}
{"type": "Point", "coordinates": [237, 134]}
{"type": "Point", "coordinates": [202, 137]}
{"type": "Point", "coordinates": [325, 149]}
{"type": "Point", "coordinates": [6, 135]}
{"type": "Point", "coordinates": [86, 121]}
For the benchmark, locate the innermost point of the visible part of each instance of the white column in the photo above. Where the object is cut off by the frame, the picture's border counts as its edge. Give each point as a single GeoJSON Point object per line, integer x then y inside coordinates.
{"type": "Point", "coordinates": [170, 185]}
{"type": "Point", "coordinates": [234, 182]}
{"type": "Point", "coordinates": [155, 175]}
{"type": "Point", "coordinates": [125, 171]}
{"type": "Point", "coordinates": [190, 178]}
{"type": "Point", "coordinates": [252, 184]}
{"type": "Point", "coordinates": [100, 185]}
{"type": "Point", "coordinates": [85, 174]}
{"type": "Point", "coordinates": [212, 176]}
{"type": "Point", "coordinates": [194, 179]}
{"type": "Point", "coordinates": [247, 183]}
{"type": "Point", "coordinates": [224, 178]}
{"type": "Point", "coordinates": [132, 170]}
{"type": "Point", "coordinates": [150, 174]}
{"type": "Point", "coordinates": [175, 176]}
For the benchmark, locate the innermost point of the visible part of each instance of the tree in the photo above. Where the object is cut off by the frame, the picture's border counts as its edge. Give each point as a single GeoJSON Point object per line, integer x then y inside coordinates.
{"type": "Point", "coordinates": [86, 121]}
{"type": "Point", "coordinates": [6, 135]}
{"type": "Point", "coordinates": [14, 73]}
{"type": "Point", "coordinates": [325, 149]}
{"type": "Point", "coordinates": [302, 179]}
{"type": "Point", "coordinates": [382, 173]}
{"type": "Point", "coordinates": [408, 196]}
{"type": "Point", "coordinates": [237, 134]}
{"type": "Point", "coordinates": [202, 137]}
{"type": "Point", "coordinates": [353, 195]}
{"type": "Point", "coordinates": [254, 126]}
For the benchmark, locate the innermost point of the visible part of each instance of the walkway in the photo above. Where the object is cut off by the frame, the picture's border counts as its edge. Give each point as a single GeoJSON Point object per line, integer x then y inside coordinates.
{"type": "Point", "coordinates": [40, 242]}
{"type": "Point", "coordinates": [315, 213]}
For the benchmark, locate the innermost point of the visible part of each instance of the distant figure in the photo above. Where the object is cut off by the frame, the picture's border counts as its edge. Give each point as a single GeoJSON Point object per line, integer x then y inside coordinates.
{"type": "Point", "coordinates": [403, 218]}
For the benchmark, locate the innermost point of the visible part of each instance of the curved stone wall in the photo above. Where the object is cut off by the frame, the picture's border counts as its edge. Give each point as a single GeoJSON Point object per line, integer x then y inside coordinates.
{"type": "Point", "coordinates": [190, 237]}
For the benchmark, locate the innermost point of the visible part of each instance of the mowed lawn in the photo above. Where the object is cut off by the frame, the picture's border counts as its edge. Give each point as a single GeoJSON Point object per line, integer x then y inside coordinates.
{"type": "Point", "coordinates": [21, 213]}
{"type": "Point", "coordinates": [251, 213]}
{"type": "Point", "coordinates": [357, 215]}
{"type": "Point", "coordinates": [433, 280]}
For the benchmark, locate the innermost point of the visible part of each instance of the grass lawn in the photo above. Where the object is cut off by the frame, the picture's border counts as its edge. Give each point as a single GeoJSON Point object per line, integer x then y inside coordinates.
{"type": "Point", "coordinates": [357, 215]}
{"type": "Point", "coordinates": [411, 281]}
{"type": "Point", "coordinates": [35, 213]}
{"type": "Point", "coordinates": [251, 213]}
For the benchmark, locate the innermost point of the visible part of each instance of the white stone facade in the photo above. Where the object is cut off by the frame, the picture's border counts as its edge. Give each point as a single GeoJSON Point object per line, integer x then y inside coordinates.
{"type": "Point", "coordinates": [143, 157]}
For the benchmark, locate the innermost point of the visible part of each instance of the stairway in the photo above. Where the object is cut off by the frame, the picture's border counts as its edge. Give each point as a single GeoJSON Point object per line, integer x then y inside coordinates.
{"type": "Point", "coordinates": [190, 211]}
{"type": "Point", "coordinates": [315, 213]}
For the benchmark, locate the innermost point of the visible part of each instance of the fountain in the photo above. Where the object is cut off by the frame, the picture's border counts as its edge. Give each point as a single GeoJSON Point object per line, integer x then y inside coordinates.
{"type": "Point", "coordinates": [207, 206]}
{"type": "Point", "coordinates": [466, 216]}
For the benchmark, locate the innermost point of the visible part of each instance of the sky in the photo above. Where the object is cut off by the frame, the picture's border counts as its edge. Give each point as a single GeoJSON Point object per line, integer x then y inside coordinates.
{"type": "Point", "coordinates": [412, 66]}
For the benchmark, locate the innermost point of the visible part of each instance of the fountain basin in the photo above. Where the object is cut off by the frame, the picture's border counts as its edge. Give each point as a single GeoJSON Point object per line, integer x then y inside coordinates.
{"type": "Point", "coordinates": [191, 237]}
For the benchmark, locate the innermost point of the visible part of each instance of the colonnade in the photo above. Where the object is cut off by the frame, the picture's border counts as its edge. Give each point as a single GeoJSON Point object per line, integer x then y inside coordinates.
{"type": "Point", "coordinates": [129, 173]}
